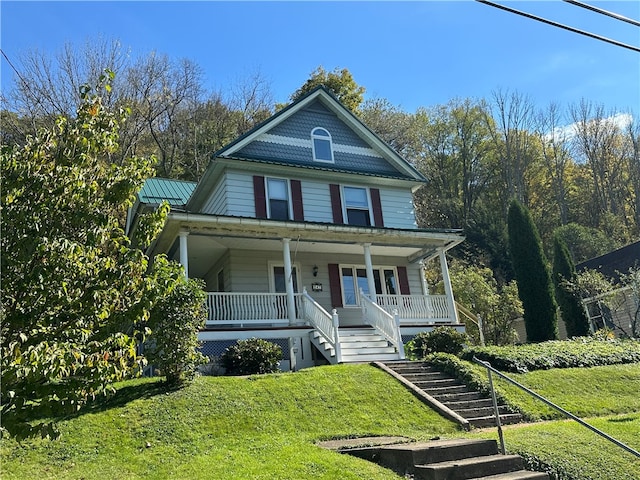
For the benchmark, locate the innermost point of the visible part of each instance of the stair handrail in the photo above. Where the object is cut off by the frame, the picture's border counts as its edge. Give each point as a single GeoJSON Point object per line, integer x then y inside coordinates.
{"type": "Point", "coordinates": [567, 414]}
{"type": "Point", "coordinates": [324, 322]}
{"type": "Point", "coordinates": [475, 319]}
{"type": "Point", "coordinates": [385, 323]}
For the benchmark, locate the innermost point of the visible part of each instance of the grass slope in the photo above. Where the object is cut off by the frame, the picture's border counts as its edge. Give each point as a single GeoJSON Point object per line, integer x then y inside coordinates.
{"type": "Point", "coordinates": [233, 428]}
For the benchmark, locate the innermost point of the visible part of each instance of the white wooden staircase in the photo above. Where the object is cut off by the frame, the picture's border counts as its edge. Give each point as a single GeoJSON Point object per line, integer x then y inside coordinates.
{"type": "Point", "coordinates": [361, 344]}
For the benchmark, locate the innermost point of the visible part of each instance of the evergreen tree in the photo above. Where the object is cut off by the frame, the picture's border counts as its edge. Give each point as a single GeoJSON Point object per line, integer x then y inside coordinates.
{"type": "Point", "coordinates": [532, 275]}
{"type": "Point", "coordinates": [570, 305]}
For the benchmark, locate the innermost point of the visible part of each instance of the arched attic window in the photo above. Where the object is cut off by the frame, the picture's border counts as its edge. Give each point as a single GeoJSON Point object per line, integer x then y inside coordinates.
{"type": "Point", "coordinates": [321, 145]}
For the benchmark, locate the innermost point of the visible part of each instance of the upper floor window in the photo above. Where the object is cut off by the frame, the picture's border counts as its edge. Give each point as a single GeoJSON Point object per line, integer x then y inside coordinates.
{"type": "Point", "coordinates": [278, 199]}
{"type": "Point", "coordinates": [356, 204]}
{"type": "Point", "coordinates": [321, 145]}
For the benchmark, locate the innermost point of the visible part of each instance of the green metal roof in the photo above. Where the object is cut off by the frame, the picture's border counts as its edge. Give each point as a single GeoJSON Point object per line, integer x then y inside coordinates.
{"type": "Point", "coordinates": [176, 192]}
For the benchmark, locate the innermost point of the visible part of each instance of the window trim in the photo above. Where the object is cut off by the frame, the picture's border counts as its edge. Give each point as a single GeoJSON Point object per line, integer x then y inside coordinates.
{"type": "Point", "coordinates": [345, 207]}
{"type": "Point", "coordinates": [271, 264]}
{"type": "Point", "coordinates": [327, 138]}
{"type": "Point", "coordinates": [267, 197]}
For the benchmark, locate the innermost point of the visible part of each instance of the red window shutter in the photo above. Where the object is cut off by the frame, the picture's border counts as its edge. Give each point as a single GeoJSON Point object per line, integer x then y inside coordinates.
{"type": "Point", "coordinates": [336, 203]}
{"type": "Point", "coordinates": [334, 285]}
{"type": "Point", "coordinates": [259, 196]}
{"type": "Point", "coordinates": [296, 198]}
{"type": "Point", "coordinates": [403, 281]}
{"type": "Point", "coordinates": [376, 205]}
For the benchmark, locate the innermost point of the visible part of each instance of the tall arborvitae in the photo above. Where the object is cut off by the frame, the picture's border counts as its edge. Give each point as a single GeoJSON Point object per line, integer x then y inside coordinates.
{"type": "Point", "coordinates": [535, 287]}
{"type": "Point", "coordinates": [570, 305]}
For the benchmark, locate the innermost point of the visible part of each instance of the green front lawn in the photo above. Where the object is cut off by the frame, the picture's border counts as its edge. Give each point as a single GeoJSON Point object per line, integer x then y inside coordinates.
{"type": "Point", "coordinates": [266, 427]}
{"type": "Point", "coordinates": [225, 427]}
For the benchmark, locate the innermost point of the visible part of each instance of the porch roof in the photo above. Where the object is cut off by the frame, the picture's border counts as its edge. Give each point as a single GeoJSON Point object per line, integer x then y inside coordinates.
{"type": "Point", "coordinates": [263, 234]}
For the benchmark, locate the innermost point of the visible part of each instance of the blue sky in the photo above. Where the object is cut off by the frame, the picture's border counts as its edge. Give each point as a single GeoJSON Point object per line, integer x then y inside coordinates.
{"type": "Point", "coordinates": [411, 53]}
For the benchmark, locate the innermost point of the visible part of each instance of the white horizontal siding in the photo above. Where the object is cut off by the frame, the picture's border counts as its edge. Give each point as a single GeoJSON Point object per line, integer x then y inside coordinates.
{"type": "Point", "coordinates": [316, 201]}
{"type": "Point", "coordinates": [240, 197]}
{"type": "Point", "coordinates": [397, 208]}
{"type": "Point", "coordinates": [217, 202]}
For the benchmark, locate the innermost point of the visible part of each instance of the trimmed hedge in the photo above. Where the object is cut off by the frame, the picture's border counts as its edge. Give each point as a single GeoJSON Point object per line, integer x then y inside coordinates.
{"type": "Point", "coordinates": [577, 352]}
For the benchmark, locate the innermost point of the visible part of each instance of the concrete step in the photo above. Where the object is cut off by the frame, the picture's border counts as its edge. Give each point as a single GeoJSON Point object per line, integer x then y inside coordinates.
{"type": "Point", "coordinates": [368, 350]}
{"type": "Point", "coordinates": [470, 403]}
{"type": "Point", "coordinates": [468, 468]}
{"type": "Point", "coordinates": [451, 459]}
{"type": "Point", "coordinates": [458, 396]}
{"type": "Point", "coordinates": [517, 475]}
{"type": "Point", "coordinates": [436, 383]}
{"type": "Point", "coordinates": [422, 376]}
{"type": "Point", "coordinates": [403, 457]}
{"type": "Point", "coordinates": [490, 420]}
{"type": "Point", "coordinates": [479, 411]}
{"type": "Point", "coordinates": [363, 357]}
{"type": "Point", "coordinates": [435, 392]}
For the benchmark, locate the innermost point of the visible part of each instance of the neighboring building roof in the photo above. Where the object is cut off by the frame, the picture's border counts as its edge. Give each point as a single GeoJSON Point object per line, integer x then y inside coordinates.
{"type": "Point", "coordinates": [614, 263]}
{"type": "Point", "coordinates": [176, 192]}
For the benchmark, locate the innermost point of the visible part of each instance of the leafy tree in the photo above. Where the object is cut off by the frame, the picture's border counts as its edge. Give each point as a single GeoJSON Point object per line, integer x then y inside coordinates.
{"type": "Point", "coordinates": [339, 82]}
{"type": "Point", "coordinates": [476, 288]}
{"type": "Point", "coordinates": [174, 322]}
{"type": "Point", "coordinates": [74, 290]}
{"type": "Point", "coordinates": [585, 243]}
{"type": "Point", "coordinates": [570, 305]}
{"type": "Point", "coordinates": [532, 275]}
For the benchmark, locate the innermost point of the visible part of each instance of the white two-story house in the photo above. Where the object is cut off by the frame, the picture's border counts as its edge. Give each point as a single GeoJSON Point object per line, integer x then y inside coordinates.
{"type": "Point", "coordinates": [305, 233]}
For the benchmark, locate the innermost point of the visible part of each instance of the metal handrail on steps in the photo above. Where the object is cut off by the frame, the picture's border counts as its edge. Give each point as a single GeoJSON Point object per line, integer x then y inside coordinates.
{"type": "Point", "coordinates": [567, 414]}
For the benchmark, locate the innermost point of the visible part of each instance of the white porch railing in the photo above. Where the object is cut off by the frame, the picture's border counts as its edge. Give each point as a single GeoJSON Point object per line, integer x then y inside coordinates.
{"type": "Point", "coordinates": [417, 308]}
{"type": "Point", "coordinates": [322, 321]}
{"type": "Point", "coordinates": [384, 322]}
{"type": "Point", "coordinates": [246, 309]}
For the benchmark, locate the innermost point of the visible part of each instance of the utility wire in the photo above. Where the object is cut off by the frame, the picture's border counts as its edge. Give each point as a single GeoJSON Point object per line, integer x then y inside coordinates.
{"type": "Point", "coordinates": [603, 12]}
{"type": "Point", "coordinates": [560, 25]}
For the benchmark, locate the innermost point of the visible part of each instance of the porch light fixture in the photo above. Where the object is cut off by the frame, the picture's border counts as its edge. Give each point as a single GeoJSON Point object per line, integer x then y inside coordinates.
{"type": "Point", "coordinates": [315, 270]}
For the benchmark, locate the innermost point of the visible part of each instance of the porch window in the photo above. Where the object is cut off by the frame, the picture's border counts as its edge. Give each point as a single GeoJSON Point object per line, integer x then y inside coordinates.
{"type": "Point", "coordinates": [354, 278]}
{"type": "Point", "coordinates": [278, 201]}
{"type": "Point", "coordinates": [357, 210]}
{"type": "Point", "coordinates": [321, 145]}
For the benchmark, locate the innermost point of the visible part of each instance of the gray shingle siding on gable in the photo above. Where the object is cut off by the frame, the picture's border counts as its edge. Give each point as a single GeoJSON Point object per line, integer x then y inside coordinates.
{"type": "Point", "coordinates": [299, 127]}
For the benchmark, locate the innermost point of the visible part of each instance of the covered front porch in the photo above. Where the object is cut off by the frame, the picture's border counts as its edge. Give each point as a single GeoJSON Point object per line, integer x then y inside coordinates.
{"type": "Point", "coordinates": [267, 276]}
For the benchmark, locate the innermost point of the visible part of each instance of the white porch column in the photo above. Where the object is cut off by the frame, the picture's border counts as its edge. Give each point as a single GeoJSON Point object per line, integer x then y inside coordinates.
{"type": "Point", "coordinates": [288, 272]}
{"type": "Point", "coordinates": [423, 280]}
{"type": "Point", "coordinates": [369, 268]}
{"type": "Point", "coordinates": [448, 290]}
{"type": "Point", "coordinates": [184, 252]}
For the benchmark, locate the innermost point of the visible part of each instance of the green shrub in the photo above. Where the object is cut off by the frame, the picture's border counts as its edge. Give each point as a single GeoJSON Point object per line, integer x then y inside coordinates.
{"type": "Point", "coordinates": [440, 339]}
{"type": "Point", "coordinates": [174, 323]}
{"type": "Point", "coordinates": [577, 352]}
{"type": "Point", "coordinates": [248, 357]}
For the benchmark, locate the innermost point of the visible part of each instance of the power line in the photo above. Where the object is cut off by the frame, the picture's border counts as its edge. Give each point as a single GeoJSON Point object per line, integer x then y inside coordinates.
{"type": "Point", "coordinates": [560, 25]}
{"type": "Point", "coordinates": [604, 12]}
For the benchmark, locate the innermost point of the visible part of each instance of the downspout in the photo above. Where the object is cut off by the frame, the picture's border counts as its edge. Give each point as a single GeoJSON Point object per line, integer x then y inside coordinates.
{"type": "Point", "coordinates": [184, 252]}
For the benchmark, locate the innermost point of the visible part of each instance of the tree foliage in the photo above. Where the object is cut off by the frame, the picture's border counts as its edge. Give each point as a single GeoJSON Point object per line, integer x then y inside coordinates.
{"type": "Point", "coordinates": [570, 305]}
{"type": "Point", "coordinates": [339, 81]}
{"type": "Point", "coordinates": [174, 323]}
{"type": "Point", "coordinates": [476, 288]}
{"type": "Point", "coordinates": [532, 275]}
{"type": "Point", "coordinates": [74, 291]}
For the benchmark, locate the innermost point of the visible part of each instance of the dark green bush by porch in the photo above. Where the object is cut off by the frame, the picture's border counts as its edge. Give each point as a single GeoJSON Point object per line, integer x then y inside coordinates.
{"type": "Point", "coordinates": [440, 339]}
{"type": "Point", "coordinates": [252, 356]}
